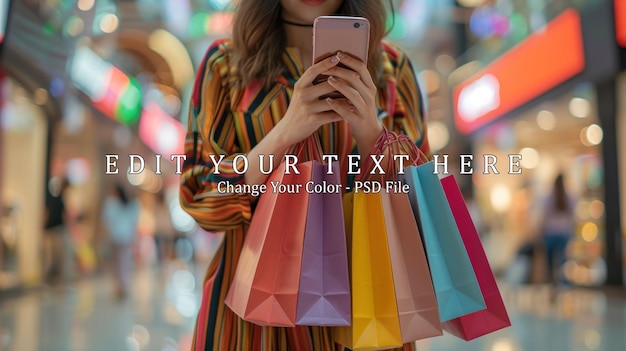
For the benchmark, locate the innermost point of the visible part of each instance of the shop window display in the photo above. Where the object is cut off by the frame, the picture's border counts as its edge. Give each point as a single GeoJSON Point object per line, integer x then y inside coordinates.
{"type": "Point", "coordinates": [556, 137]}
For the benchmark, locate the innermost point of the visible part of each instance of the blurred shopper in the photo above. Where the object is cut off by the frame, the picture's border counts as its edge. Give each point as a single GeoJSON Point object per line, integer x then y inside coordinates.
{"type": "Point", "coordinates": [557, 226]}
{"type": "Point", "coordinates": [255, 74]}
{"type": "Point", "coordinates": [120, 215]}
{"type": "Point", "coordinates": [55, 236]}
{"type": "Point", "coordinates": [164, 231]}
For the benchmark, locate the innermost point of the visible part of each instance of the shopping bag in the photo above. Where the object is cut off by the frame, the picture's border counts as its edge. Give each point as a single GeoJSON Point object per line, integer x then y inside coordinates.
{"type": "Point", "coordinates": [264, 289]}
{"type": "Point", "coordinates": [495, 316]}
{"type": "Point", "coordinates": [324, 293]}
{"type": "Point", "coordinates": [454, 280]}
{"type": "Point", "coordinates": [375, 323]}
{"type": "Point", "coordinates": [417, 306]}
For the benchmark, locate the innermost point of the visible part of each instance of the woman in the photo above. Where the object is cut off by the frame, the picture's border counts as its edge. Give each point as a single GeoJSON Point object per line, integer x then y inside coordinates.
{"type": "Point", "coordinates": [164, 231]}
{"type": "Point", "coordinates": [56, 229]}
{"type": "Point", "coordinates": [557, 226]}
{"type": "Point", "coordinates": [254, 96]}
{"type": "Point", "coordinates": [120, 214]}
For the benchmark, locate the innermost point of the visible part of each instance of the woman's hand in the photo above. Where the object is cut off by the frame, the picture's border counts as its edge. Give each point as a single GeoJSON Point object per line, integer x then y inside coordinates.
{"type": "Point", "coordinates": [306, 112]}
{"type": "Point", "coordinates": [359, 106]}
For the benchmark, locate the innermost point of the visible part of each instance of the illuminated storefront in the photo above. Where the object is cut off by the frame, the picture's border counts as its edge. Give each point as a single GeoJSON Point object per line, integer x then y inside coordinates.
{"type": "Point", "coordinates": [24, 127]}
{"type": "Point", "coordinates": [28, 110]}
{"type": "Point", "coordinates": [551, 108]}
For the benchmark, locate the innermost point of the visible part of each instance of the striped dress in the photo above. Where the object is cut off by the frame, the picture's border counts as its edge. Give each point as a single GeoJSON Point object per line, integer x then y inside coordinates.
{"type": "Point", "coordinates": [230, 121]}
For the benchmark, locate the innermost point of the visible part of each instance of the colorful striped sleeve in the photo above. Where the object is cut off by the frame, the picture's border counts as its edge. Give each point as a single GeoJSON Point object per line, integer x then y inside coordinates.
{"type": "Point", "coordinates": [410, 116]}
{"type": "Point", "coordinates": [212, 132]}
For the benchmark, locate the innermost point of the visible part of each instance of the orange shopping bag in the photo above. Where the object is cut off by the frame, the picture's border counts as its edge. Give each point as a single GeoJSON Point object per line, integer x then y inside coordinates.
{"type": "Point", "coordinates": [264, 290]}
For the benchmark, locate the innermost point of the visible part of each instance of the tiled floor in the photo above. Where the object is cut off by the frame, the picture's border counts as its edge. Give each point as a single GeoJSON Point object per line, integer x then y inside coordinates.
{"type": "Point", "coordinates": [159, 316]}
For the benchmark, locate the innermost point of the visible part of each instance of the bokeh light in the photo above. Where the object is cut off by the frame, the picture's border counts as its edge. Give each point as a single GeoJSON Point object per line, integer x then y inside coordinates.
{"type": "Point", "coordinates": [591, 135]}
{"type": "Point", "coordinates": [132, 344]}
{"type": "Point", "coordinates": [74, 26]}
{"type": "Point", "coordinates": [86, 5]}
{"type": "Point", "coordinates": [219, 4]}
{"type": "Point", "coordinates": [109, 23]}
{"type": "Point", "coordinates": [592, 339]}
{"type": "Point", "coordinates": [589, 232]}
{"type": "Point", "coordinates": [518, 27]}
{"type": "Point", "coordinates": [480, 22]}
{"type": "Point", "coordinates": [582, 209]}
{"type": "Point", "coordinates": [129, 104]}
{"type": "Point", "coordinates": [579, 107]}
{"type": "Point", "coordinates": [445, 64]}
{"type": "Point", "coordinates": [500, 198]}
{"type": "Point", "coordinates": [181, 220]}
{"type": "Point", "coordinates": [78, 170]}
{"type": "Point", "coordinates": [430, 80]}
{"type": "Point", "coordinates": [184, 281]}
{"type": "Point", "coordinates": [546, 120]}
{"type": "Point", "coordinates": [220, 23]}
{"type": "Point", "coordinates": [503, 345]}
{"type": "Point", "coordinates": [399, 30]}
{"type": "Point", "coordinates": [142, 335]}
{"type": "Point", "coordinates": [471, 3]}
{"type": "Point", "coordinates": [486, 22]}
{"type": "Point", "coordinates": [57, 86]}
{"type": "Point", "coordinates": [530, 157]}
{"type": "Point", "coordinates": [438, 135]}
{"type": "Point", "coordinates": [596, 209]}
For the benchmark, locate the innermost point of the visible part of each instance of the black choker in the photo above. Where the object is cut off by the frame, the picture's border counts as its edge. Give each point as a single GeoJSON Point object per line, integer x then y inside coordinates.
{"type": "Point", "coordinates": [296, 24]}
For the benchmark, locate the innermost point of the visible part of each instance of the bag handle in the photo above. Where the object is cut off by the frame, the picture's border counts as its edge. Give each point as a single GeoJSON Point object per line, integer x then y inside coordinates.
{"type": "Point", "coordinates": [386, 144]}
{"type": "Point", "coordinates": [311, 147]}
{"type": "Point", "coordinates": [418, 156]}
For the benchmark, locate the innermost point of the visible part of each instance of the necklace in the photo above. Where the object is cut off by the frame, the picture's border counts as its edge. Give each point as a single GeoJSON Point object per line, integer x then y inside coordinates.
{"type": "Point", "coordinates": [297, 24]}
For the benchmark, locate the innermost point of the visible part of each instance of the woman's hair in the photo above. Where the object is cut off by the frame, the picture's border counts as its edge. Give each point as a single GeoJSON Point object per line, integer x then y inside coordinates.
{"type": "Point", "coordinates": [560, 195]}
{"type": "Point", "coordinates": [259, 38]}
{"type": "Point", "coordinates": [121, 193]}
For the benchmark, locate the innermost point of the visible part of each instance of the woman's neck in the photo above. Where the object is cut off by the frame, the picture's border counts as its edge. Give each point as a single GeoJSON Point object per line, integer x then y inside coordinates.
{"type": "Point", "coordinates": [301, 38]}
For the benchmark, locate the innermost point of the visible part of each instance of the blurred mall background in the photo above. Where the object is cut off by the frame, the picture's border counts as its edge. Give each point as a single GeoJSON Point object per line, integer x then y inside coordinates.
{"type": "Point", "coordinates": [82, 79]}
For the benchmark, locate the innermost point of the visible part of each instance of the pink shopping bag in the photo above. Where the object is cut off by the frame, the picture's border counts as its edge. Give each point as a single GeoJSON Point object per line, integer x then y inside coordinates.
{"type": "Point", "coordinates": [495, 316]}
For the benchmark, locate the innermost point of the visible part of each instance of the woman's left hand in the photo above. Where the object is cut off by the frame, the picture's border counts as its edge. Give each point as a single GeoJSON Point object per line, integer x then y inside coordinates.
{"type": "Point", "coordinates": [358, 107]}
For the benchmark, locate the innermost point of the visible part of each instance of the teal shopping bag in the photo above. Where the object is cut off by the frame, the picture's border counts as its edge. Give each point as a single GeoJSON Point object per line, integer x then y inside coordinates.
{"type": "Point", "coordinates": [454, 280]}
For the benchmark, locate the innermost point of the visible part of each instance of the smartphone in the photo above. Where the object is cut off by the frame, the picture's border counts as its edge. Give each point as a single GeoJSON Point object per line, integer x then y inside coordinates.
{"type": "Point", "coordinates": [331, 34]}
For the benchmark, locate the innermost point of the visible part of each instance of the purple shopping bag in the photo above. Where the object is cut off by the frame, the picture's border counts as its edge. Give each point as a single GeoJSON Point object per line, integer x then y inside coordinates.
{"type": "Point", "coordinates": [324, 293]}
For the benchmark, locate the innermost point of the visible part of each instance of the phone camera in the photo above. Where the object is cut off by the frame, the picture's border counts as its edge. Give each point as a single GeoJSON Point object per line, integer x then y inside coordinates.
{"type": "Point", "coordinates": [357, 24]}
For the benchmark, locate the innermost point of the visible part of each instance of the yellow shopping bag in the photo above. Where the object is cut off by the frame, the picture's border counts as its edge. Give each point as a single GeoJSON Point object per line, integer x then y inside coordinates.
{"type": "Point", "coordinates": [375, 322]}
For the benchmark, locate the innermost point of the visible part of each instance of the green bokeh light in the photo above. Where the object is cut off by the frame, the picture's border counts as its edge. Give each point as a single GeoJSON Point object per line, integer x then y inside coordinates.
{"type": "Point", "coordinates": [518, 27]}
{"type": "Point", "coordinates": [48, 29]}
{"type": "Point", "coordinates": [128, 107]}
{"type": "Point", "coordinates": [397, 27]}
{"type": "Point", "coordinates": [198, 25]}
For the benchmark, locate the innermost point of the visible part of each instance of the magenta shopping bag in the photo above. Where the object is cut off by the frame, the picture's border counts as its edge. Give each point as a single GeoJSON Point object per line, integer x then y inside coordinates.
{"type": "Point", "coordinates": [324, 293]}
{"type": "Point", "coordinates": [494, 317]}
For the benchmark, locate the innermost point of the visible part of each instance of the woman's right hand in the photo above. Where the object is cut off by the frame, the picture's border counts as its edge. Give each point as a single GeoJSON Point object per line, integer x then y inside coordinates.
{"type": "Point", "coordinates": [306, 112]}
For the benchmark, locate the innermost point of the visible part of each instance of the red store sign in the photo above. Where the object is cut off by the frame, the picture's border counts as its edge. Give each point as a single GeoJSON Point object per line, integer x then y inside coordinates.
{"type": "Point", "coordinates": [530, 69]}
